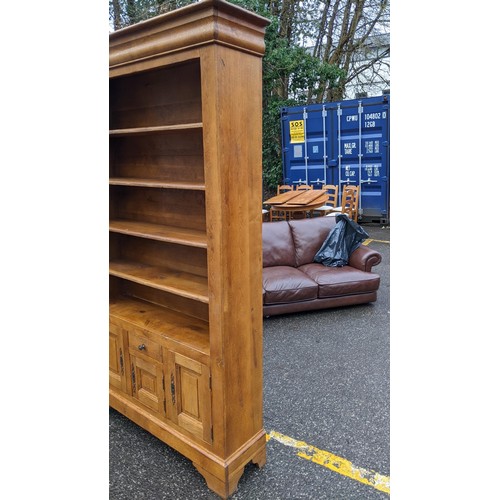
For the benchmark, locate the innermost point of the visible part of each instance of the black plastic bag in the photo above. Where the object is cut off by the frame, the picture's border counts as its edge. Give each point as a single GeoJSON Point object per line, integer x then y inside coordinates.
{"type": "Point", "coordinates": [341, 241]}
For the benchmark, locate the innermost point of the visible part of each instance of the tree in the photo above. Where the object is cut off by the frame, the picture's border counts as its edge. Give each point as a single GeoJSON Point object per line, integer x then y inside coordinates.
{"type": "Point", "coordinates": [290, 73]}
{"type": "Point", "coordinates": [123, 13]}
{"type": "Point", "coordinates": [348, 33]}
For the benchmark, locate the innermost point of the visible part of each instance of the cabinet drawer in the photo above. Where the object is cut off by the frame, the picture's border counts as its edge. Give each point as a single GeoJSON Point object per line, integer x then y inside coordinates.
{"type": "Point", "coordinates": [139, 343]}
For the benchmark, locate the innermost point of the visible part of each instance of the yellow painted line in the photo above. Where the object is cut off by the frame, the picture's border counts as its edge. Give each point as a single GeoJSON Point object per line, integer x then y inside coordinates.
{"type": "Point", "coordinates": [333, 462]}
{"type": "Point", "coordinates": [370, 240]}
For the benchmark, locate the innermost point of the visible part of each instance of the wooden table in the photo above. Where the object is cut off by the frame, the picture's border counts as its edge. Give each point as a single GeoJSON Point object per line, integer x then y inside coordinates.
{"type": "Point", "coordinates": [298, 201]}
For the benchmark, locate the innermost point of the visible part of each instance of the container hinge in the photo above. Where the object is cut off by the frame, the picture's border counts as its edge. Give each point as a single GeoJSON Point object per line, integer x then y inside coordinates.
{"type": "Point", "coordinates": [324, 113]}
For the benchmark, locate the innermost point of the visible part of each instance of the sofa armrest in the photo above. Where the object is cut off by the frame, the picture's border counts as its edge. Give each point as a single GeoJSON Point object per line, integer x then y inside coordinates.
{"type": "Point", "coordinates": [364, 258]}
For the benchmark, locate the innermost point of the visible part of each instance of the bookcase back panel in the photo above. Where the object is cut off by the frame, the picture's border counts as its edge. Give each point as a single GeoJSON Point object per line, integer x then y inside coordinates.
{"type": "Point", "coordinates": [171, 207]}
{"type": "Point", "coordinates": [172, 156]}
{"type": "Point", "coordinates": [156, 253]}
{"type": "Point", "coordinates": [165, 96]}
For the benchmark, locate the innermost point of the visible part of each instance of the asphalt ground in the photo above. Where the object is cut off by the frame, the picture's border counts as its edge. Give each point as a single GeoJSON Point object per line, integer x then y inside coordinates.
{"type": "Point", "coordinates": [326, 412]}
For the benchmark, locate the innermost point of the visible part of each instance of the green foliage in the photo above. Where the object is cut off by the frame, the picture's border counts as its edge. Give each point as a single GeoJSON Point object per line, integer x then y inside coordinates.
{"type": "Point", "coordinates": [292, 71]}
{"type": "Point", "coordinates": [291, 77]}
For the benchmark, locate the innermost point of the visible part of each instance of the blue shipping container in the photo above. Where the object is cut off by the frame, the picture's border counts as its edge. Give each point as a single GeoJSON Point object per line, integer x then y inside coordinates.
{"type": "Point", "coordinates": [344, 142]}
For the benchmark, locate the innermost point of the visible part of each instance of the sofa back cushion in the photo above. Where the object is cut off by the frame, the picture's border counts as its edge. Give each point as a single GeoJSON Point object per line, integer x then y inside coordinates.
{"type": "Point", "coordinates": [277, 244]}
{"type": "Point", "coordinates": [308, 236]}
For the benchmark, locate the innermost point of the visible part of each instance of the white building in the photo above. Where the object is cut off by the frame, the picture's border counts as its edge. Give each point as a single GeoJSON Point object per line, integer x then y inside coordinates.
{"type": "Point", "coordinates": [373, 78]}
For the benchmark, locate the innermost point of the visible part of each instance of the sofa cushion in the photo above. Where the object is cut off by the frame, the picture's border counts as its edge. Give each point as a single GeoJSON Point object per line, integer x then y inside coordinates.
{"type": "Point", "coordinates": [337, 281]}
{"type": "Point", "coordinates": [308, 236]}
{"type": "Point", "coordinates": [283, 284]}
{"type": "Point", "coordinates": [277, 244]}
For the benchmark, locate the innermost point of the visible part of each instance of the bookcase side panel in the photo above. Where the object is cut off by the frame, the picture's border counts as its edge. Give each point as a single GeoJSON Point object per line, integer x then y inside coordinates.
{"type": "Point", "coordinates": [232, 113]}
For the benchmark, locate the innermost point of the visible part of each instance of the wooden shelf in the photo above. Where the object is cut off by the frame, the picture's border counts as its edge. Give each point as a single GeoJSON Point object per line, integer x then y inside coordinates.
{"type": "Point", "coordinates": [170, 324]}
{"type": "Point", "coordinates": [153, 130]}
{"type": "Point", "coordinates": [180, 283]}
{"type": "Point", "coordinates": [156, 183]}
{"type": "Point", "coordinates": [171, 234]}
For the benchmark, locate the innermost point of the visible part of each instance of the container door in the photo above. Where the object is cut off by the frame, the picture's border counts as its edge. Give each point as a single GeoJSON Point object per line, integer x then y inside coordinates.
{"type": "Point", "coordinates": [375, 162]}
{"type": "Point", "coordinates": [361, 133]}
{"type": "Point", "coordinates": [305, 139]}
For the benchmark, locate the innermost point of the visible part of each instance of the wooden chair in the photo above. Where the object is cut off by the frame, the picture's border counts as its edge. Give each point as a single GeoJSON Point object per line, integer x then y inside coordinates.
{"type": "Point", "coordinates": [303, 187]}
{"type": "Point", "coordinates": [275, 215]}
{"type": "Point", "coordinates": [350, 201]}
{"type": "Point", "coordinates": [331, 204]}
{"type": "Point", "coordinates": [283, 188]}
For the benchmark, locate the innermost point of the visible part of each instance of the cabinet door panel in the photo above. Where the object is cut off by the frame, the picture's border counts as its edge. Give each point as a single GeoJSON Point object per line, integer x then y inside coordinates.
{"type": "Point", "coordinates": [147, 383]}
{"type": "Point", "coordinates": [117, 356]}
{"type": "Point", "coordinates": [189, 405]}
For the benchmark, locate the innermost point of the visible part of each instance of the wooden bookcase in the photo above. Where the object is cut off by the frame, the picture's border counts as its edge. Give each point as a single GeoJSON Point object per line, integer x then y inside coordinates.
{"type": "Point", "coordinates": [185, 342]}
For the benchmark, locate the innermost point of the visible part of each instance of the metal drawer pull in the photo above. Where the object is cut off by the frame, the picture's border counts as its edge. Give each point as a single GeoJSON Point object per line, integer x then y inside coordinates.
{"type": "Point", "coordinates": [142, 347]}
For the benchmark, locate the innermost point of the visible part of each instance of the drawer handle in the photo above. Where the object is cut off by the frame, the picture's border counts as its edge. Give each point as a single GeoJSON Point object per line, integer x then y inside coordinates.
{"type": "Point", "coordinates": [142, 347]}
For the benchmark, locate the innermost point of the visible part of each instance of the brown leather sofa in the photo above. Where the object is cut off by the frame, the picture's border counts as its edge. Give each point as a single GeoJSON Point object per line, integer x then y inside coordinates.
{"type": "Point", "coordinates": [292, 282]}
